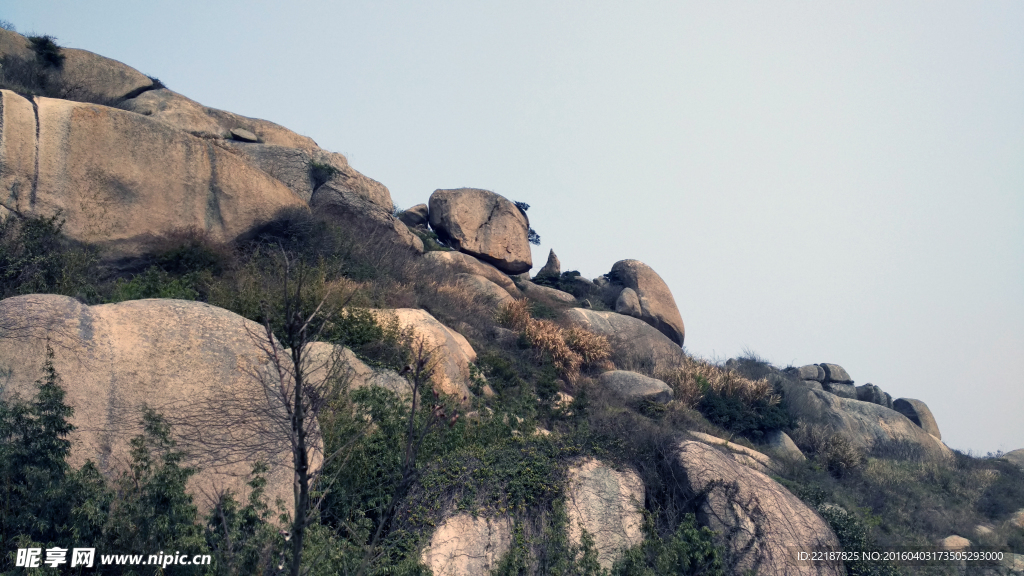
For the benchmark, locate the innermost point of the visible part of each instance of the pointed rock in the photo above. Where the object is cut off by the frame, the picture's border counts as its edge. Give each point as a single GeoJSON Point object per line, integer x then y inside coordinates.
{"type": "Point", "coordinates": [553, 267]}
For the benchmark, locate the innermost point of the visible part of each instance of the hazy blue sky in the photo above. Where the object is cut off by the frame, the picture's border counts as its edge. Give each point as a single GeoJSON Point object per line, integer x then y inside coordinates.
{"type": "Point", "coordinates": [816, 182]}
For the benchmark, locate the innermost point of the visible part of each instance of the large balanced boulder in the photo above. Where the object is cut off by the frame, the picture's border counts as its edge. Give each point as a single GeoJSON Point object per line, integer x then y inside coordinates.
{"type": "Point", "coordinates": [120, 178]}
{"type": "Point", "coordinates": [864, 424]}
{"type": "Point", "coordinates": [657, 306]}
{"type": "Point", "coordinates": [194, 363]}
{"type": "Point", "coordinates": [633, 387]}
{"type": "Point", "coordinates": [483, 224]}
{"type": "Point", "coordinates": [757, 520]}
{"type": "Point", "coordinates": [607, 503]}
{"type": "Point", "coordinates": [919, 414]}
{"type": "Point", "coordinates": [633, 341]}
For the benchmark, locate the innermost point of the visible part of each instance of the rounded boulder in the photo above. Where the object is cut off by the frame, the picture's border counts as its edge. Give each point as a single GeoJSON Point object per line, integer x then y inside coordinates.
{"type": "Point", "coordinates": [483, 224]}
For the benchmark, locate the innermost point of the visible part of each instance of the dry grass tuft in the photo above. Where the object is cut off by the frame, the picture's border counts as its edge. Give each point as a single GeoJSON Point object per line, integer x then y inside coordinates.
{"type": "Point", "coordinates": [569, 349]}
{"type": "Point", "coordinates": [592, 348]}
{"type": "Point", "coordinates": [696, 377]}
{"type": "Point", "coordinates": [515, 315]}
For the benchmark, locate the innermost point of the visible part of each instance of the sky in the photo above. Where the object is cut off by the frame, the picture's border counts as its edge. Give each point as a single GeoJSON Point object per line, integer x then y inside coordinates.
{"type": "Point", "coordinates": [816, 182]}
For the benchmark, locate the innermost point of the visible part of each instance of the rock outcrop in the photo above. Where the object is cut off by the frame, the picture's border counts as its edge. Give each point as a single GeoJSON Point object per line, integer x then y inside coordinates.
{"type": "Point", "coordinates": [552, 268]}
{"type": "Point", "coordinates": [464, 545]}
{"type": "Point", "coordinates": [633, 387]}
{"type": "Point", "coordinates": [464, 263]}
{"type": "Point", "coordinates": [415, 216]}
{"type": "Point", "coordinates": [483, 224]}
{"type": "Point", "coordinates": [864, 424]}
{"type": "Point", "coordinates": [836, 373]}
{"type": "Point", "coordinates": [871, 393]}
{"type": "Point", "coordinates": [191, 117]}
{"type": "Point", "coordinates": [545, 292]}
{"type": "Point", "coordinates": [449, 351]}
{"type": "Point", "coordinates": [480, 286]}
{"type": "Point", "coordinates": [746, 456]}
{"type": "Point", "coordinates": [84, 74]}
{"type": "Point", "coordinates": [657, 306]}
{"type": "Point", "coordinates": [758, 521]}
{"type": "Point", "coordinates": [186, 360]}
{"type": "Point", "coordinates": [919, 414]}
{"type": "Point", "coordinates": [120, 178]}
{"type": "Point", "coordinates": [607, 503]}
{"type": "Point", "coordinates": [811, 372]}
{"type": "Point", "coordinates": [783, 445]}
{"type": "Point", "coordinates": [628, 303]}
{"type": "Point", "coordinates": [632, 340]}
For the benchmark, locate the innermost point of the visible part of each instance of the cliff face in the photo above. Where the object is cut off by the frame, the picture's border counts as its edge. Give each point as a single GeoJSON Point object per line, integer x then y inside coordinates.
{"type": "Point", "coordinates": [562, 423]}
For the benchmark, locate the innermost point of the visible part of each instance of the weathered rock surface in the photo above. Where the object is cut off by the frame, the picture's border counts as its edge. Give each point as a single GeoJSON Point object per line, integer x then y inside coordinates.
{"type": "Point", "coordinates": [184, 359]}
{"type": "Point", "coordinates": [632, 340]}
{"type": "Point", "coordinates": [119, 178]}
{"type": "Point", "coordinates": [954, 542]}
{"type": "Point", "coordinates": [84, 74]}
{"type": "Point", "coordinates": [783, 445]}
{"type": "Point", "coordinates": [747, 456]}
{"type": "Point", "coordinates": [632, 386]}
{"type": "Point", "coordinates": [842, 390]}
{"type": "Point", "coordinates": [244, 135]}
{"type": "Point", "coordinates": [330, 361]}
{"type": "Point", "coordinates": [537, 291]}
{"type": "Point", "coordinates": [871, 393]}
{"type": "Point", "coordinates": [552, 268]}
{"type": "Point", "coordinates": [415, 216]}
{"type": "Point", "coordinates": [465, 263]}
{"type": "Point", "coordinates": [919, 414]}
{"type": "Point", "coordinates": [189, 116]}
{"type": "Point", "coordinates": [628, 303]}
{"type": "Point", "coordinates": [658, 307]}
{"type": "Point", "coordinates": [484, 288]}
{"type": "Point", "coordinates": [607, 503]}
{"type": "Point", "coordinates": [811, 372]}
{"type": "Point", "coordinates": [863, 423]}
{"type": "Point", "coordinates": [836, 373]}
{"type": "Point", "coordinates": [756, 519]}
{"type": "Point", "coordinates": [466, 546]}
{"type": "Point", "coordinates": [451, 353]}
{"type": "Point", "coordinates": [482, 224]}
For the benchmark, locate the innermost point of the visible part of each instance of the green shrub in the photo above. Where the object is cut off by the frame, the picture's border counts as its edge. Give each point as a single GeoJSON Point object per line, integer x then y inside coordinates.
{"type": "Point", "coordinates": [853, 535]}
{"type": "Point", "coordinates": [321, 173]}
{"type": "Point", "coordinates": [155, 283]}
{"type": "Point", "coordinates": [36, 258]}
{"type": "Point", "coordinates": [47, 50]}
{"type": "Point", "coordinates": [752, 420]}
{"type": "Point", "coordinates": [689, 550]}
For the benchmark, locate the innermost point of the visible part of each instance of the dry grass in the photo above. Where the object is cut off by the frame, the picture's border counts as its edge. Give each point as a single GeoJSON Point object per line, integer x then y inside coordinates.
{"type": "Point", "coordinates": [835, 451]}
{"type": "Point", "coordinates": [696, 377]}
{"type": "Point", "coordinates": [570, 349]}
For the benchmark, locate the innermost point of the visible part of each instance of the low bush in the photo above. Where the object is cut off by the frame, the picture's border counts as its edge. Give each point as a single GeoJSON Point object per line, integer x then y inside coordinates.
{"type": "Point", "coordinates": [689, 550]}
{"type": "Point", "coordinates": [36, 258]}
{"type": "Point", "coordinates": [834, 451]}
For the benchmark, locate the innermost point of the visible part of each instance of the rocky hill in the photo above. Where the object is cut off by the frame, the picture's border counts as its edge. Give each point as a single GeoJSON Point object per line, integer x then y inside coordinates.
{"type": "Point", "coordinates": [401, 388]}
